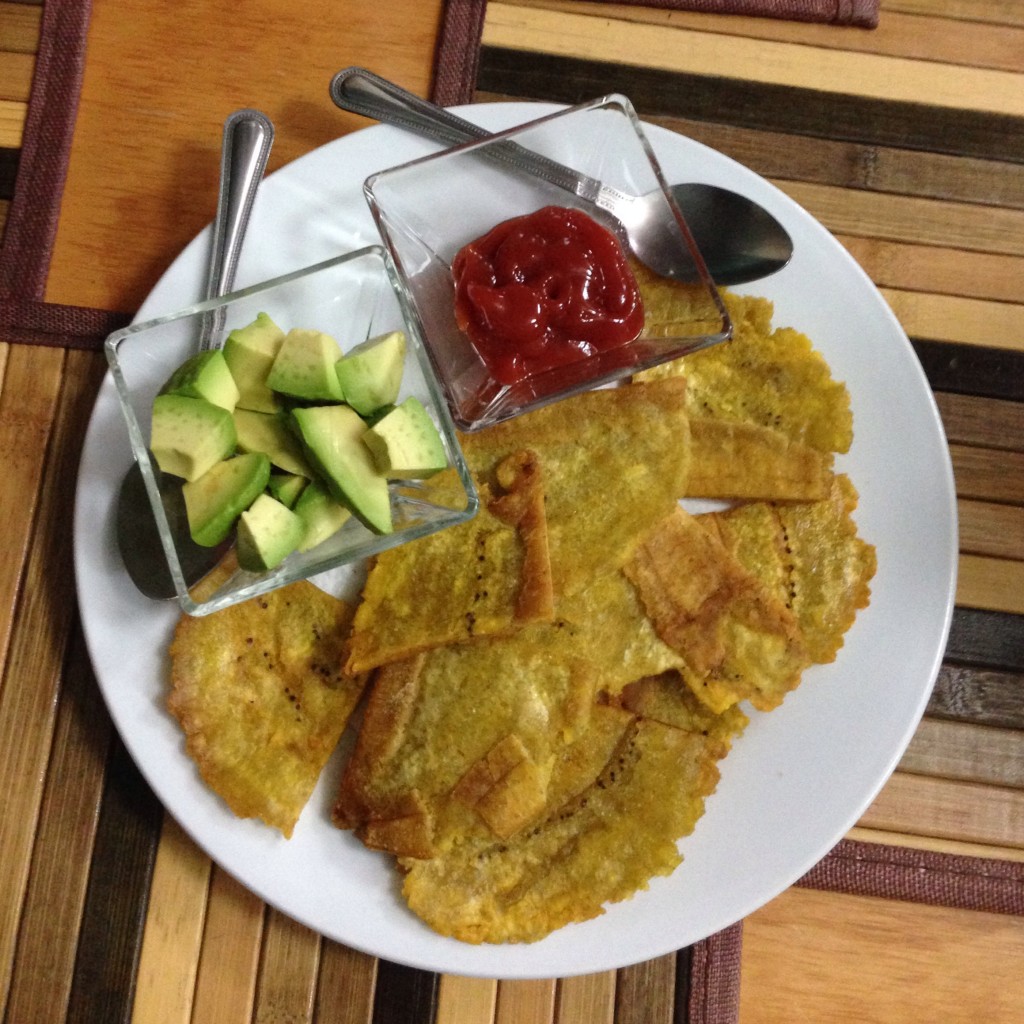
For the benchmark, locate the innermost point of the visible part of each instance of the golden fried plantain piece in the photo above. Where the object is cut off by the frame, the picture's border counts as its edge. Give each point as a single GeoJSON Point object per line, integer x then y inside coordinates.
{"type": "Point", "coordinates": [429, 720]}
{"type": "Point", "coordinates": [737, 639]}
{"type": "Point", "coordinates": [602, 845]}
{"type": "Point", "coordinates": [811, 556]}
{"type": "Point", "coordinates": [742, 461]}
{"type": "Point", "coordinates": [666, 698]}
{"type": "Point", "coordinates": [764, 377]}
{"type": "Point", "coordinates": [606, 623]}
{"type": "Point", "coordinates": [484, 577]}
{"type": "Point", "coordinates": [615, 461]}
{"type": "Point", "coordinates": [260, 694]}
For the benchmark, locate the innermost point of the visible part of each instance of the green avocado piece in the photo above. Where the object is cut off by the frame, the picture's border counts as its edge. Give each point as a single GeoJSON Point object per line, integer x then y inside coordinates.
{"type": "Point", "coordinates": [332, 439]}
{"type": "Point", "coordinates": [268, 533]}
{"type": "Point", "coordinates": [322, 515]}
{"type": "Point", "coordinates": [405, 443]}
{"type": "Point", "coordinates": [222, 494]}
{"type": "Point", "coordinates": [270, 433]}
{"type": "Point", "coordinates": [189, 435]}
{"type": "Point", "coordinates": [204, 375]}
{"type": "Point", "coordinates": [304, 367]}
{"type": "Point", "coordinates": [371, 373]}
{"type": "Point", "coordinates": [286, 487]}
{"type": "Point", "coordinates": [249, 352]}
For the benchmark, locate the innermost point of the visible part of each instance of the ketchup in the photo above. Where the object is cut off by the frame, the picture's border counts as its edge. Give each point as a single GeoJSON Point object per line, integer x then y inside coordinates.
{"type": "Point", "coordinates": [545, 290]}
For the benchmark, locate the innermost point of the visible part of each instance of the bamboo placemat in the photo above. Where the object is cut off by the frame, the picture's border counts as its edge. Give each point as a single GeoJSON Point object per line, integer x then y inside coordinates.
{"type": "Point", "coordinates": [906, 142]}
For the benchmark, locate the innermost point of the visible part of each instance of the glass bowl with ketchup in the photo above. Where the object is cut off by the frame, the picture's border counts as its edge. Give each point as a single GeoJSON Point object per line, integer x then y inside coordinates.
{"type": "Point", "coordinates": [522, 289]}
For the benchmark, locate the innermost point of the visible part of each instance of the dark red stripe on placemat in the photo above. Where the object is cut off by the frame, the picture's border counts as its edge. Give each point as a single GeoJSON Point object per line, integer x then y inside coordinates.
{"type": "Point", "coordinates": [920, 876]}
{"type": "Point", "coordinates": [31, 225]}
{"type": "Point", "coordinates": [31, 322]}
{"type": "Point", "coordinates": [714, 978]}
{"type": "Point", "coordinates": [862, 13]}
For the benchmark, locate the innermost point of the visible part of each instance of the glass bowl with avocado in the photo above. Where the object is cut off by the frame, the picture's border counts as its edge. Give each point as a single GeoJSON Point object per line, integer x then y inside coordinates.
{"type": "Point", "coordinates": [312, 435]}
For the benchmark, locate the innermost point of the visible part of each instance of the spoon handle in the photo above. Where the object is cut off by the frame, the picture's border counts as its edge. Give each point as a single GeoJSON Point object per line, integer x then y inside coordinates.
{"type": "Point", "coordinates": [362, 92]}
{"type": "Point", "coordinates": [248, 136]}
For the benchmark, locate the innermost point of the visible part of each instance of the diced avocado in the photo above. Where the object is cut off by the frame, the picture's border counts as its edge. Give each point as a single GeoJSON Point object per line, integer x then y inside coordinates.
{"type": "Point", "coordinates": [287, 487]}
{"type": "Point", "coordinates": [321, 514]}
{"type": "Point", "coordinates": [270, 433]}
{"type": "Point", "coordinates": [189, 435]}
{"type": "Point", "coordinates": [222, 494]}
{"type": "Point", "coordinates": [332, 439]}
{"type": "Point", "coordinates": [371, 373]}
{"type": "Point", "coordinates": [250, 353]}
{"type": "Point", "coordinates": [204, 375]}
{"type": "Point", "coordinates": [268, 533]}
{"type": "Point", "coordinates": [405, 443]}
{"type": "Point", "coordinates": [305, 367]}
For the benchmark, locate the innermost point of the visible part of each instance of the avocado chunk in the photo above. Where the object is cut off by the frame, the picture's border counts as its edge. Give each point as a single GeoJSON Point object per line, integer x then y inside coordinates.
{"type": "Point", "coordinates": [268, 533]}
{"type": "Point", "coordinates": [222, 494]}
{"type": "Point", "coordinates": [270, 433]}
{"type": "Point", "coordinates": [305, 367]}
{"type": "Point", "coordinates": [249, 352]}
{"type": "Point", "coordinates": [322, 515]}
{"type": "Point", "coordinates": [332, 439]}
{"type": "Point", "coordinates": [405, 443]}
{"type": "Point", "coordinates": [204, 375]}
{"type": "Point", "coordinates": [189, 435]}
{"type": "Point", "coordinates": [371, 373]}
{"type": "Point", "coordinates": [286, 487]}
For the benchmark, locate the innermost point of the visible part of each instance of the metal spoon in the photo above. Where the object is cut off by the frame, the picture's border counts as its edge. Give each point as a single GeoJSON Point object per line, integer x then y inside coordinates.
{"type": "Point", "coordinates": [738, 240]}
{"type": "Point", "coordinates": [248, 136]}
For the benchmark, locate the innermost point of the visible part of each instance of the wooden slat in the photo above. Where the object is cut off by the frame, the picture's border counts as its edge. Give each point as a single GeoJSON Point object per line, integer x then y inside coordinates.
{"type": "Point", "coordinates": [937, 269]}
{"type": "Point", "coordinates": [49, 927]}
{"type": "Point", "coordinates": [819, 956]}
{"type": "Point", "coordinates": [345, 985]}
{"type": "Point", "coordinates": [986, 639]}
{"type": "Point", "coordinates": [19, 27]}
{"type": "Point", "coordinates": [16, 76]}
{"type": "Point", "coordinates": [288, 970]}
{"type": "Point", "coordinates": [987, 474]}
{"type": "Point", "coordinates": [955, 319]}
{"type": "Point", "coordinates": [910, 218]}
{"type": "Point", "coordinates": [646, 992]}
{"type": "Point", "coordinates": [526, 1002]}
{"type": "Point", "coordinates": [984, 422]}
{"type": "Point", "coordinates": [855, 164]}
{"type": "Point", "coordinates": [587, 997]}
{"type": "Point", "coordinates": [404, 995]}
{"type": "Point", "coordinates": [986, 529]}
{"type": "Point", "coordinates": [949, 809]}
{"type": "Point", "coordinates": [225, 987]}
{"type": "Point", "coordinates": [971, 369]}
{"type": "Point", "coordinates": [31, 650]}
{"type": "Point", "coordinates": [968, 752]}
{"type": "Point", "coordinates": [950, 846]}
{"type": "Point", "coordinates": [754, 60]}
{"type": "Point", "coordinates": [12, 123]}
{"type": "Point", "coordinates": [174, 930]}
{"type": "Point", "coordinates": [462, 1000]}
{"type": "Point", "coordinates": [995, 584]}
{"type": "Point", "coordinates": [27, 406]}
{"type": "Point", "coordinates": [995, 12]}
{"type": "Point", "coordinates": [113, 920]}
{"type": "Point", "coordinates": [980, 696]}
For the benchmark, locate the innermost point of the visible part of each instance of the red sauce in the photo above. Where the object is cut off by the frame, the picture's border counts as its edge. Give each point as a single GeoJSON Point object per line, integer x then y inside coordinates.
{"type": "Point", "coordinates": [545, 290]}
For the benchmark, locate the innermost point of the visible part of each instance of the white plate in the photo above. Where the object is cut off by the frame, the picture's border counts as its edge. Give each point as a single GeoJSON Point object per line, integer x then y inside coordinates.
{"type": "Point", "coordinates": [796, 781]}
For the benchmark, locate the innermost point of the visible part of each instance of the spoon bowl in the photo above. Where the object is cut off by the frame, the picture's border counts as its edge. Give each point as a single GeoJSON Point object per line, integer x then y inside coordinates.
{"type": "Point", "coordinates": [248, 136]}
{"type": "Point", "coordinates": [738, 240]}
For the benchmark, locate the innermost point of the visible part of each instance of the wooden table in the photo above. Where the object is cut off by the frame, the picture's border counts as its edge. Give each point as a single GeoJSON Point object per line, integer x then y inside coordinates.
{"type": "Point", "coordinates": [906, 141]}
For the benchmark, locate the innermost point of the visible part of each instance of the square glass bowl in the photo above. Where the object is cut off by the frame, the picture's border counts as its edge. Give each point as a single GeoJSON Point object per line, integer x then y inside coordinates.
{"type": "Point", "coordinates": [429, 209]}
{"type": "Point", "coordinates": [352, 298]}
